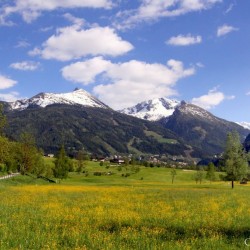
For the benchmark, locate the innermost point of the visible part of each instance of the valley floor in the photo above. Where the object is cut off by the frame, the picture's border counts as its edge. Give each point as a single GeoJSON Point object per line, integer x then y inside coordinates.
{"type": "Point", "coordinates": [142, 211]}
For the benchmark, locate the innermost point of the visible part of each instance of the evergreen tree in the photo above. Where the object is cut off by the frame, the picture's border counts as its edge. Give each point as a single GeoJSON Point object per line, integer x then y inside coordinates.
{"type": "Point", "coordinates": [236, 163]}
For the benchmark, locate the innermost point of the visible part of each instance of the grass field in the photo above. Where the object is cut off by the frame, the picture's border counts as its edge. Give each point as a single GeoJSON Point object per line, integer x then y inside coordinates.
{"type": "Point", "coordinates": [142, 211]}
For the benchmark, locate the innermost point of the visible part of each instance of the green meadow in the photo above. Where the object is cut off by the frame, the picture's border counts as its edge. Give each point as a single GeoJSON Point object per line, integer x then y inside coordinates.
{"type": "Point", "coordinates": [143, 210]}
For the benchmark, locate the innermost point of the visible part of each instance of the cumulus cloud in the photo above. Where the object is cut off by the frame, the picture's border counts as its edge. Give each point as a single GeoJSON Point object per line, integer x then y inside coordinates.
{"type": "Point", "coordinates": [86, 71]}
{"type": "Point", "coordinates": [32, 9]}
{"type": "Point", "coordinates": [10, 97]}
{"type": "Point", "coordinates": [73, 42]}
{"type": "Point", "coordinates": [184, 40]}
{"type": "Point", "coordinates": [225, 29]}
{"type": "Point", "coordinates": [151, 10]}
{"type": "Point", "coordinates": [129, 82]}
{"type": "Point", "coordinates": [25, 65]}
{"type": "Point", "coordinates": [212, 99]}
{"type": "Point", "coordinates": [6, 82]}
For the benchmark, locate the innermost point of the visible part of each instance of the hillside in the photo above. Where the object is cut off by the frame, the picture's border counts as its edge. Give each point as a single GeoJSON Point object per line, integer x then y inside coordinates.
{"type": "Point", "coordinates": [201, 129]}
{"type": "Point", "coordinates": [97, 130]}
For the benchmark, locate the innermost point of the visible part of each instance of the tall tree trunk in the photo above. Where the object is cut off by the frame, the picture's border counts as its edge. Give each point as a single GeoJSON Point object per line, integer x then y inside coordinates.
{"type": "Point", "coordinates": [232, 184]}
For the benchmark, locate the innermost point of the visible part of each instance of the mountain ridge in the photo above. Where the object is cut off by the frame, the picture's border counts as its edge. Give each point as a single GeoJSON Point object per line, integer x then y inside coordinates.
{"type": "Point", "coordinates": [77, 97]}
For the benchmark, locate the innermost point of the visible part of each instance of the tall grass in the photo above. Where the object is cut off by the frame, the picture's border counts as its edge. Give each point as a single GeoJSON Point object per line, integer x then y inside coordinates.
{"type": "Point", "coordinates": [138, 217]}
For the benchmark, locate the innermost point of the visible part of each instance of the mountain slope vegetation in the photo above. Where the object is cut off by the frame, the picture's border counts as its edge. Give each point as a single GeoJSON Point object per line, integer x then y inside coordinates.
{"type": "Point", "coordinates": [97, 130]}
{"type": "Point", "coordinates": [201, 129]}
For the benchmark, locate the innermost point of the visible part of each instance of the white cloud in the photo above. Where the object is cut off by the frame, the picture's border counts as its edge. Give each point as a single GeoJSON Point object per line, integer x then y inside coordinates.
{"type": "Point", "coordinates": [73, 43]}
{"type": "Point", "coordinates": [10, 97]}
{"type": "Point", "coordinates": [129, 82]}
{"type": "Point", "coordinates": [248, 93]}
{"type": "Point", "coordinates": [151, 10]}
{"type": "Point", "coordinates": [212, 99]}
{"type": "Point", "coordinates": [225, 29]}
{"type": "Point", "coordinates": [25, 65]}
{"type": "Point", "coordinates": [184, 40]}
{"type": "Point", "coordinates": [6, 82]}
{"type": "Point", "coordinates": [85, 72]}
{"type": "Point", "coordinates": [31, 9]}
{"type": "Point", "coordinates": [75, 20]}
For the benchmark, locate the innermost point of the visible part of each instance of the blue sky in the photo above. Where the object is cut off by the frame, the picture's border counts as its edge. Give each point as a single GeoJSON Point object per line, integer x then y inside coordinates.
{"type": "Point", "coordinates": [125, 52]}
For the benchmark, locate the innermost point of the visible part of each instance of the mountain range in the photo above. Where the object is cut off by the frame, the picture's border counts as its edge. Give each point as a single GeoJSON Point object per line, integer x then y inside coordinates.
{"type": "Point", "coordinates": [79, 120]}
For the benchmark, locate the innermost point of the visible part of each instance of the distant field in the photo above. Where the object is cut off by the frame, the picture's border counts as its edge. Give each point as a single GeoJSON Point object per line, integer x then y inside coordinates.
{"type": "Point", "coordinates": [142, 211]}
{"type": "Point", "coordinates": [159, 138]}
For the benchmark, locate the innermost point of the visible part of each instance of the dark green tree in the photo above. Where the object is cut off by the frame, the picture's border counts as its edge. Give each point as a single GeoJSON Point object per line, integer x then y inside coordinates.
{"type": "Point", "coordinates": [210, 172]}
{"type": "Point", "coordinates": [62, 164]}
{"type": "Point", "coordinates": [236, 164]}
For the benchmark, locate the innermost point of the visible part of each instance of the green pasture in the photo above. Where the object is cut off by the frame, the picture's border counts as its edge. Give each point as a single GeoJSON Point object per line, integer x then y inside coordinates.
{"type": "Point", "coordinates": [141, 211]}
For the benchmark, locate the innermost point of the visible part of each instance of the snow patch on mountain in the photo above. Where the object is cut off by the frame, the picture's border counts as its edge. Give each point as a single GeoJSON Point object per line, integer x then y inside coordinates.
{"type": "Point", "coordinates": [77, 97]}
{"type": "Point", "coordinates": [191, 109]}
{"type": "Point", "coordinates": [244, 124]}
{"type": "Point", "coordinates": [152, 110]}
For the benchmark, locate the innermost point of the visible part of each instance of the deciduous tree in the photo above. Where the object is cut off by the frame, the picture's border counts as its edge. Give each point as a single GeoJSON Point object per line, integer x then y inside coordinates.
{"type": "Point", "coordinates": [62, 164]}
{"type": "Point", "coordinates": [26, 153]}
{"type": "Point", "coordinates": [210, 172]}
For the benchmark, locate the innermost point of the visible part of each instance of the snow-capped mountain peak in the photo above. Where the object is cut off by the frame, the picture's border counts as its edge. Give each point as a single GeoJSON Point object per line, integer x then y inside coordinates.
{"type": "Point", "coordinates": [196, 111]}
{"type": "Point", "coordinates": [77, 97]}
{"type": "Point", "coordinates": [152, 110]}
{"type": "Point", "coordinates": [244, 124]}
